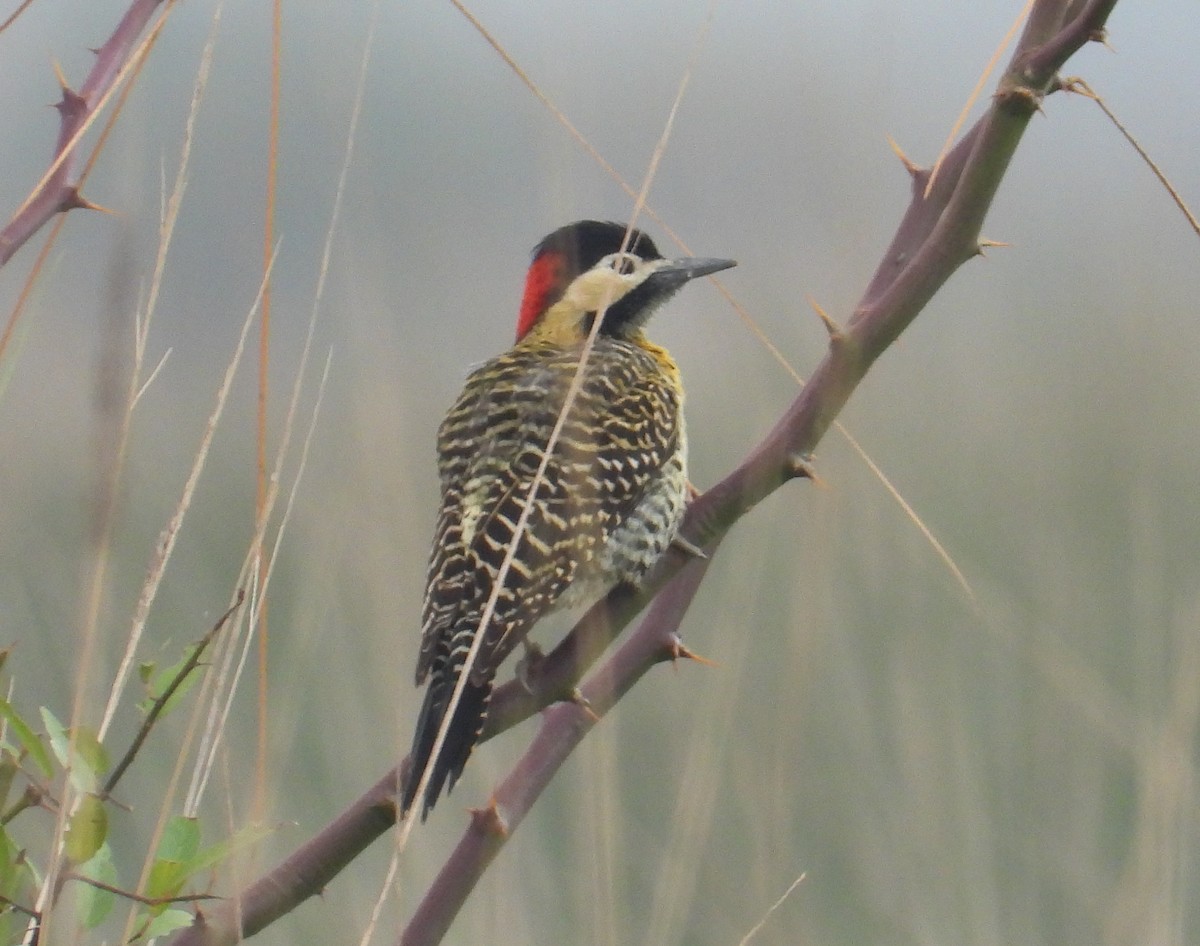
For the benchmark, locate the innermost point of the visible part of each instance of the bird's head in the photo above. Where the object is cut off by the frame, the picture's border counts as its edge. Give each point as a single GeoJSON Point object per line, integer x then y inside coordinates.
{"type": "Point", "coordinates": [581, 269]}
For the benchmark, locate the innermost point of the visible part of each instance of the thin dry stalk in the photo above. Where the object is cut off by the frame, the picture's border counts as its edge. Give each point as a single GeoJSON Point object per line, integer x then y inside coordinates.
{"type": "Point", "coordinates": [166, 544]}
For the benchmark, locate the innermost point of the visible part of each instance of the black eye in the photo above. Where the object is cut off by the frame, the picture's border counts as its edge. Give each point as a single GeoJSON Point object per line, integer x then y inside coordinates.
{"type": "Point", "coordinates": [626, 265]}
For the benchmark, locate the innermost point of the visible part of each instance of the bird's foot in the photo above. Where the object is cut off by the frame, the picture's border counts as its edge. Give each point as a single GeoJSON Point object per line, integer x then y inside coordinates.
{"type": "Point", "coordinates": [689, 548]}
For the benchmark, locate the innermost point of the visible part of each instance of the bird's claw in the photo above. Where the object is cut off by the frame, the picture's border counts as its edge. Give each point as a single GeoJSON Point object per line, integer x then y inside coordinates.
{"type": "Point", "coordinates": [689, 548]}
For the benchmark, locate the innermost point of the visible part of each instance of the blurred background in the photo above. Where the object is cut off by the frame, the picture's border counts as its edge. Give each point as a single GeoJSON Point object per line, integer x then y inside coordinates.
{"type": "Point", "coordinates": [1018, 768]}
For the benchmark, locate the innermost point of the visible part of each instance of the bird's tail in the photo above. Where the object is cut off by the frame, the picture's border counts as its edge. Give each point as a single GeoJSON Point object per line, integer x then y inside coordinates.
{"type": "Point", "coordinates": [461, 737]}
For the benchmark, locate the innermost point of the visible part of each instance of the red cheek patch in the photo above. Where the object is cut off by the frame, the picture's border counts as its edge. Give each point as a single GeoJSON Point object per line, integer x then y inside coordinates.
{"type": "Point", "coordinates": [543, 287]}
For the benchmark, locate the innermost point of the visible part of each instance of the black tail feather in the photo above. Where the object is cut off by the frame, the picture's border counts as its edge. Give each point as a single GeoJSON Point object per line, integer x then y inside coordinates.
{"type": "Point", "coordinates": [461, 738]}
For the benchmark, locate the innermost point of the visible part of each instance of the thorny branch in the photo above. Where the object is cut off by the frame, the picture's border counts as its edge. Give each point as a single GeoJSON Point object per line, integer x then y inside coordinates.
{"type": "Point", "coordinates": [59, 191]}
{"type": "Point", "coordinates": [938, 233]}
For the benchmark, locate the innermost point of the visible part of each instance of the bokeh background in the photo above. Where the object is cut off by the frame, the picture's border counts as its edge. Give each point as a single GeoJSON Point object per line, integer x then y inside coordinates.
{"type": "Point", "coordinates": [1017, 768]}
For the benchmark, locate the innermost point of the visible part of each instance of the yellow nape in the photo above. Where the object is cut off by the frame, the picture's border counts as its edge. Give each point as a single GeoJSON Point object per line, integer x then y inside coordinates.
{"type": "Point", "coordinates": [663, 357]}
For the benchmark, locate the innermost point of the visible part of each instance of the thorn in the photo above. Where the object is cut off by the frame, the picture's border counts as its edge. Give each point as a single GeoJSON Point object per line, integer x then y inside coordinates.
{"type": "Point", "coordinates": [680, 651]}
{"type": "Point", "coordinates": [1101, 36]}
{"type": "Point", "coordinates": [62, 78]}
{"type": "Point", "coordinates": [489, 820]}
{"type": "Point", "coordinates": [71, 103]}
{"type": "Point", "coordinates": [694, 492]}
{"type": "Point", "coordinates": [801, 465]}
{"type": "Point", "coordinates": [73, 200]}
{"type": "Point", "coordinates": [836, 336]}
{"type": "Point", "coordinates": [1024, 98]}
{"type": "Point", "coordinates": [915, 170]}
{"type": "Point", "coordinates": [689, 548]}
{"type": "Point", "coordinates": [985, 245]}
{"type": "Point", "coordinates": [584, 704]}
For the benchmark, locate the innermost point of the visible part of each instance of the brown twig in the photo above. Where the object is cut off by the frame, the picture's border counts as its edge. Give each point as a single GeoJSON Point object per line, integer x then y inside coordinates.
{"type": "Point", "coordinates": [34, 796]}
{"type": "Point", "coordinates": [160, 703]}
{"type": "Point", "coordinates": [13, 905]}
{"type": "Point", "coordinates": [137, 897]}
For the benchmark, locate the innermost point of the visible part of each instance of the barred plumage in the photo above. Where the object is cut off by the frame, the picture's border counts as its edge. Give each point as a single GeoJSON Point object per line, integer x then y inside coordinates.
{"type": "Point", "coordinates": [614, 489]}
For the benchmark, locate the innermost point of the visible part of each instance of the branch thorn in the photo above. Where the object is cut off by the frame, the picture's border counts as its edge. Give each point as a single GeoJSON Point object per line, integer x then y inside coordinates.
{"type": "Point", "coordinates": [71, 103]}
{"type": "Point", "coordinates": [489, 820]}
{"type": "Point", "coordinates": [836, 337]}
{"type": "Point", "coordinates": [1101, 36]}
{"type": "Point", "coordinates": [584, 704]}
{"type": "Point", "coordinates": [984, 245]}
{"type": "Point", "coordinates": [678, 650]}
{"type": "Point", "coordinates": [1019, 97]}
{"type": "Point", "coordinates": [73, 200]}
{"type": "Point", "coordinates": [801, 465]}
{"type": "Point", "coordinates": [62, 78]}
{"type": "Point", "coordinates": [915, 170]}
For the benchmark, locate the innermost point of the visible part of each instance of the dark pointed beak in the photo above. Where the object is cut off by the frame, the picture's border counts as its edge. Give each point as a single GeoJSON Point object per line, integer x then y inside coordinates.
{"type": "Point", "coordinates": [678, 271]}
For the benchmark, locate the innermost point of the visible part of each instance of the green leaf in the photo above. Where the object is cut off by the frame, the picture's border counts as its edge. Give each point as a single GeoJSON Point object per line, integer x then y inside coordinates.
{"type": "Point", "coordinates": [29, 867]}
{"type": "Point", "coordinates": [180, 840]}
{"type": "Point", "coordinates": [180, 858]}
{"type": "Point", "coordinates": [60, 742]}
{"type": "Point", "coordinates": [89, 748]}
{"type": "Point", "coordinates": [28, 739]}
{"type": "Point", "coordinates": [167, 922]}
{"type": "Point", "coordinates": [166, 880]}
{"type": "Point", "coordinates": [156, 681]}
{"type": "Point", "coordinates": [8, 771]}
{"type": "Point", "coordinates": [90, 758]}
{"type": "Point", "coordinates": [170, 870]}
{"type": "Point", "coordinates": [8, 861]}
{"type": "Point", "coordinates": [217, 853]}
{"type": "Point", "coordinates": [87, 830]}
{"type": "Point", "coordinates": [95, 904]}
{"type": "Point", "coordinates": [16, 877]}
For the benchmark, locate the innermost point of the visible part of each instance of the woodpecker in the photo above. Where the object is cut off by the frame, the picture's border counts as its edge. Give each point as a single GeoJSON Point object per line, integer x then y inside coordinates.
{"type": "Point", "coordinates": [613, 492]}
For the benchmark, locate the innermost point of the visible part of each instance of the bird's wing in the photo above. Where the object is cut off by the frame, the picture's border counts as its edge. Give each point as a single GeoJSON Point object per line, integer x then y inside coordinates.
{"type": "Point", "coordinates": [490, 447]}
